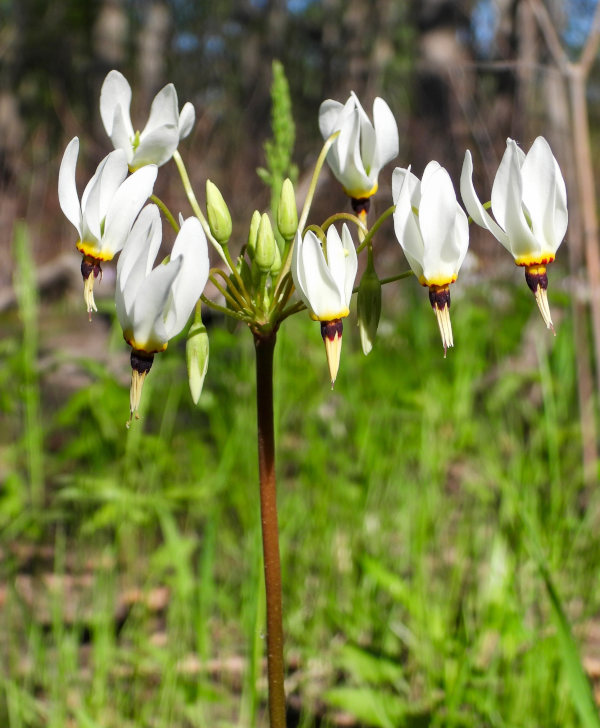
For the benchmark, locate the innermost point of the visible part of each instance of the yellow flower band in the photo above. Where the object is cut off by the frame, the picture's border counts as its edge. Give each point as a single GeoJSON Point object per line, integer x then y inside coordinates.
{"type": "Point", "coordinates": [330, 316]}
{"type": "Point", "coordinates": [91, 250]}
{"type": "Point", "coordinates": [532, 260]}
{"type": "Point", "coordinates": [361, 194]}
{"type": "Point", "coordinates": [437, 281]}
{"type": "Point", "coordinates": [147, 347]}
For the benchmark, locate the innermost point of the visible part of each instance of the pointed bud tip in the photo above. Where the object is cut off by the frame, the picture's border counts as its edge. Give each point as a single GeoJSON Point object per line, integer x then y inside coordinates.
{"type": "Point", "coordinates": [287, 212]}
{"type": "Point", "coordinates": [219, 218]}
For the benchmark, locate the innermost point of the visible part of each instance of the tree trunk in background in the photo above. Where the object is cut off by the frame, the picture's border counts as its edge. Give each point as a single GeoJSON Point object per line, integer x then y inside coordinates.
{"type": "Point", "coordinates": [559, 136]}
{"type": "Point", "coordinates": [442, 91]}
{"type": "Point", "coordinates": [528, 58]}
{"type": "Point", "coordinates": [153, 46]}
{"type": "Point", "coordinates": [110, 34]}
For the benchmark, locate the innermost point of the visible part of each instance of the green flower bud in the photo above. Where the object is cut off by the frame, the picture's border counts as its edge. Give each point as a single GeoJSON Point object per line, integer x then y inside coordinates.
{"type": "Point", "coordinates": [196, 354]}
{"type": "Point", "coordinates": [264, 255]}
{"type": "Point", "coordinates": [276, 266]}
{"type": "Point", "coordinates": [253, 233]}
{"type": "Point", "coordinates": [368, 306]}
{"type": "Point", "coordinates": [287, 213]}
{"type": "Point", "coordinates": [219, 219]}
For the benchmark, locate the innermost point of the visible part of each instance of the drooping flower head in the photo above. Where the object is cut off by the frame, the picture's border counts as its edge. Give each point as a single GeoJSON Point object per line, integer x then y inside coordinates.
{"type": "Point", "coordinates": [529, 202]}
{"type": "Point", "coordinates": [433, 231]}
{"type": "Point", "coordinates": [104, 216]}
{"type": "Point", "coordinates": [163, 131]}
{"type": "Point", "coordinates": [324, 283]}
{"type": "Point", "coordinates": [362, 148]}
{"type": "Point", "coordinates": [153, 305]}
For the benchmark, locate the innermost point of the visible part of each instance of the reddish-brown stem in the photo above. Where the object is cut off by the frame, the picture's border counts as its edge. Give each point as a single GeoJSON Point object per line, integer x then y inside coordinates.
{"type": "Point", "coordinates": [265, 345]}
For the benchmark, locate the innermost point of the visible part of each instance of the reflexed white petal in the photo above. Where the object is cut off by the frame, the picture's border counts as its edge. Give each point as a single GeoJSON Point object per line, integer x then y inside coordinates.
{"type": "Point", "coordinates": [125, 205]}
{"type": "Point", "coordinates": [131, 268]}
{"type": "Point", "coordinates": [113, 174]}
{"type": "Point", "coordinates": [386, 133]}
{"type": "Point", "coordinates": [164, 111]}
{"type": "Point", "coordinates": [329, 113]}
{"type": "Point", "coordinates": [115, 92]}
{"type": "Point", "coordinates": [187, 119]}
{"type": "Point", "coordinates": [190, 245]}
{"type": "Point", "coordinates": [321, 291]}
{"type": "Point", "coordinates": [67, 188]}
{"type": "Point", "coordinates": [139, 253]}
{"type": "Point", "coordinates": [351, 263]}
{"type": "Point", "coordinates": [429, 170]}
{"type": "Point", "coordinates": [474, 206]}
{"type": "Point", "coordinates": [90, 205]}
{"type": "Point", "coordinates": [521, 239]}
{"type": "Point", "coordinates": [544, 195]}
{"type": "Point", "coordinates": [508, 172]}
{"type": "Point", "coordinates": [122, 134]}
{"type": "Point", "coordinates": [95, 180]}
{"type": "Point", "coordinates": [405, 224]}
{"type": "Point", "coordinates": [399, 175]}
{"type": "Point", "coordinates": [561, 215]}
{"type": "Point", "coordinates": [336, 260]}
{"type": "Point", "coordinates": [156, 147]}
{"type": "Point", "coordinates": [460, 233]}
{"type": "Point", "coordinates": [347, 144]}
{"type": "Point", "coordinates": [437, 214]}
{"type": "Point", "coordinates": [368, 141]}
{"type": "Point", "coordinates": [297, 269]}
{"type": "Point", "coordinates": [149, 305]}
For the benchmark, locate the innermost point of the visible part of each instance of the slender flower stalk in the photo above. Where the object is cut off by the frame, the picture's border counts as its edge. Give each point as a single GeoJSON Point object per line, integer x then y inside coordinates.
{"type": "Point", "coordinates": [264, 346]}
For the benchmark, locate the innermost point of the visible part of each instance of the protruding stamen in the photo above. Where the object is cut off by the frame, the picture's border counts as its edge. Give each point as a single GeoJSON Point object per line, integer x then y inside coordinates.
{"type": "Point", "coordinates": [140, 366]}
{"type": "Point", "coordinates": [541, 298]}
{"type": "Point", "coordinates": [90, 270]}
{"type": "Point", "coordinates": [439, 297]}
{"type": "Point", "coordinates": [331, 331]}
{"type": "Point", "coordinates": [537, 280]}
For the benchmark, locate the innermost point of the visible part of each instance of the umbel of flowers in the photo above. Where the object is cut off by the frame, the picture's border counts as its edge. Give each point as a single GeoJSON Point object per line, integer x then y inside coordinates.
{"type": "Point", "coordinates": [286, 266]}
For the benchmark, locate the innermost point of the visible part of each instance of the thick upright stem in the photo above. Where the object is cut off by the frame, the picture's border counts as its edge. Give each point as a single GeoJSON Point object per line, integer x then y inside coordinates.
{"type": "Point", "coordinates": [265, 346]}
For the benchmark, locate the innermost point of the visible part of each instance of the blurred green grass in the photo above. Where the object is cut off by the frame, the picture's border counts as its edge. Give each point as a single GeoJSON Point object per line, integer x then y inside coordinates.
{"type": "Point", "coordinates": [409, 498]}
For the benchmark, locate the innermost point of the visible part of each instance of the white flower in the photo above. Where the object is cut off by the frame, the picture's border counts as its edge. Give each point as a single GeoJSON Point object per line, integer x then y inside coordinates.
{"type": "Point", "coordinates": [362, 148]}
{"type": "Point", "coordinates": [109, 205]}
{"type": "Point", "coordinates": [153, 305]}
{"type": "Point", "coordinates": [529, 202]}
{"type": "Point", "coordinates": [325, 285]}
{"type": "Point", "coordinates": [163, 131]}
{"type": "Point", "coordinates": [434, 233]}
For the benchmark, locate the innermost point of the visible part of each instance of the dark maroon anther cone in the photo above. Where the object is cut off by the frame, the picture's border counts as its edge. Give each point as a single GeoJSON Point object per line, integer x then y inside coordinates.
{"type": "Point", "coordinates": [360, 204]}
{"type": "Point", "coordinates": [89, 266]}
{"type": "Point", "coordinates": [439, 297]}
{"type": "Point", "coordinates": [329, 329]}
{"type": "Point", "coordinates": [141, 361]}
{"type": "Point", "coordinates": [536, 279]}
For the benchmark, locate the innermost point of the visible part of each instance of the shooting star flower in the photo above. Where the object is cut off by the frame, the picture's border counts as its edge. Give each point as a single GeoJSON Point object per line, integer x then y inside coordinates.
{"type": "Point", "coordinates": [165, 127]}
{"type": "Point", "coordinates": [325, 285]}
{"type": "Point", "coordinates": [104, 216]}
{"type": "Point", "coordinates": [362, 148]}
{"type": "Point", "coordinates": [153, 305]}
{"type": "Point", "coordinates": [529, 202]}
{"type": "Point", "coordinates": [433, 231]}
